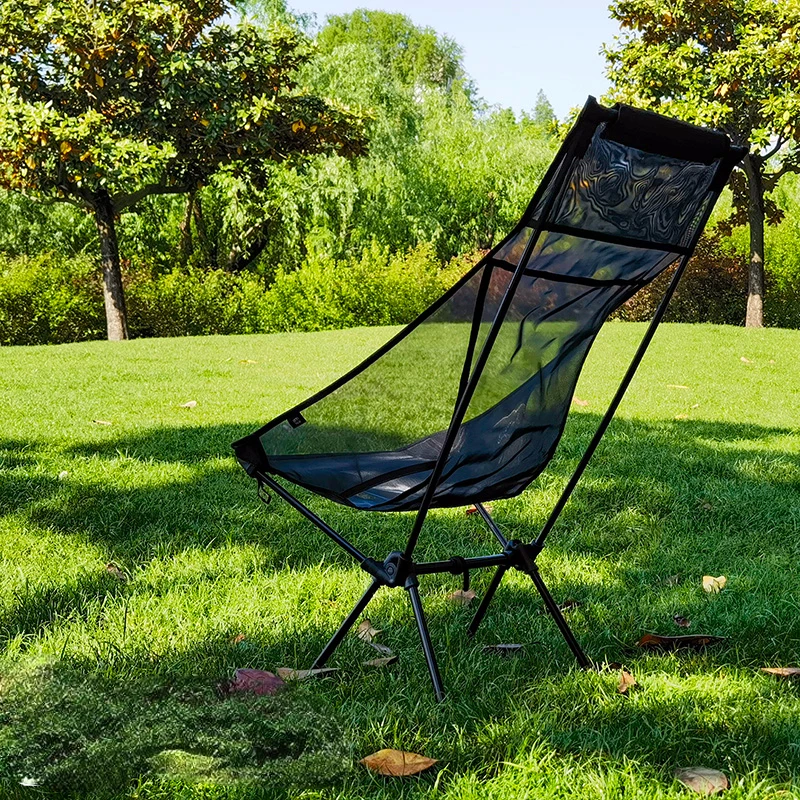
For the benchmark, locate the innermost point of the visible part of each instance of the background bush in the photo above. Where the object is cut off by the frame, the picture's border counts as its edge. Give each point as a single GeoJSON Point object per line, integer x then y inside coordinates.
{"type": "Point", "coordinates": [50, 299]}
{"type": "Point", "coordinates": [713, 288]}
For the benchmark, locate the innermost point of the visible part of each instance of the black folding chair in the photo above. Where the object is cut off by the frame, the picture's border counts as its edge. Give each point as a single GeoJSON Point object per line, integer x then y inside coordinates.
{"type": "Point", "coordinates": [468, 402]}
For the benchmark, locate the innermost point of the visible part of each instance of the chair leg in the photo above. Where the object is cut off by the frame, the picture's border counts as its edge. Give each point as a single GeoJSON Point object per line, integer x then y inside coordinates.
{"type": "Point", "coordinates": [487, 598]}
{"type": "Point", "coordinates": [427, 648]}
{"type": "Point", "coordinates": [556, 614]}
{"type": "Point", "coordinates": [337, 637]}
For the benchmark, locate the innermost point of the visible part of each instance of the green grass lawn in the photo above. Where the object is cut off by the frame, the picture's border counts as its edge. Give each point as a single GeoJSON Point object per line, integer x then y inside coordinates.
{"type": "Point", "coordinates": [108, 687]}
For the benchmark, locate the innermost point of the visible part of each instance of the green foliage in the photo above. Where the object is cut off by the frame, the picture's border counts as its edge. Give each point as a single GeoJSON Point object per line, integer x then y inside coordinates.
{"type": "Point", "coordinates": [713, 289]}
{"type": "Point", "coordinates": [376, 289]}
{"type": "Point", "coordinates": [49, 300]}
{"type": "Point", "coordinates": [136, 98]}
{"type": "Point", "coordinates": [29, 227]}
{"type": "Point", "coordinates": [411, 56]}
{"type": "Point", "coordinates": [105, 104]}
{"type": "Point", "coordinates": [191, 302]}
{"type": "Point", "coordinates": [730, 64]}
{"type": "Point", "coordinates": [440, 169]}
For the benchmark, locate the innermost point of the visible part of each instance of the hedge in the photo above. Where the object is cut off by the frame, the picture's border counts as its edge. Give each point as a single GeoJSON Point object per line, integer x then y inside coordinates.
{"type": "Point", "coordinates": [50, 299]}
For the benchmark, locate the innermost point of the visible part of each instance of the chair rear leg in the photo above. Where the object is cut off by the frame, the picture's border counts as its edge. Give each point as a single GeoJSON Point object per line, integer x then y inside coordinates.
{"type": "Point", "coordinates": [555, 613]}
{"type": "Point", "coordinates": [337, 637]}
{"type": "Point", "coordinates": [487, 598]}
{"type": "Point", "coordinates": [412, 587]}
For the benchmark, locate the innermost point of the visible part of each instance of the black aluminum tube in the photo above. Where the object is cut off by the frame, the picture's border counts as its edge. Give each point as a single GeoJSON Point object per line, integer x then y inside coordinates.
{"type": "Point", "coordinates": [427, 647]}
{"type": "Point", "coordinates": [310, 515]}
{"type": "Point", "coordinates": [555, 613]}
{"type": "Point", "coordinates": [487, 518]}
{"type": "Point", "coordinates": [487, 598]}
{"type": "Point", "coordinates": [628, 377]}
{"type": "Point", "coordinates": [567, 152]}
{"type": "Point", "coordinates": [341, 632]}
{"type": "Point", "coordinates": [476, 562]}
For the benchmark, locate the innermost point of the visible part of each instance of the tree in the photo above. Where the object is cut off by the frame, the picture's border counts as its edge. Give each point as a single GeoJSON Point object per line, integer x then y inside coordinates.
{"type": "Point", "coordinates": [107, 102]}
{"type": "Point", "coordinates": [731, 64]}
{"type": "Point", "coordinates": [543, 114]}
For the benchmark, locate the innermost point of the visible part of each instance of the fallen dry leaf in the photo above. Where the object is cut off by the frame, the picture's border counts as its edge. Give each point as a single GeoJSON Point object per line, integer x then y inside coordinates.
{"type": "Point", "coordinates": [579, 402]}
{"type": "Point", "coordinates": [289, 674]}
{"type": "Point", "coordinates": [695, 405]}
{"type": "Point", "coordinates": [113, 570]}
{"type": "Point", "coordinates": [397, 763]}
{"type": "Point", "coordinates": [380, 662]}
{"type": "Point", "coordinates": [626, 682]}
{"type": "Point", "coordinates": [474, 509]}
{"type": "Point", "coordinates": [238, 639]}
{"type": "Point", "coordinates": [714, 585]}
{"type": "Point", "coordinates": [503, 649]}
{"type": "Point", "coordinates": [745, 360]}
{"type": "Point", "coordinates": [681, 416]}
{"type": "Point", "coordinates": [787, 673]}
{"type": "Point", "coordinates": [696, 641]}
{"type": "Point", "coordinates": [189, 404]}
{"type": "Point", "coordinates": [681, 622]}
{"type": "Point", "coordinates": [248, 361]}
{"type": "Point", "coordinates": [702, 779]}
{"type": "Point", "coordinates": [102, 422]}
{"type": "Point", "coordinates": [257, 681]}
{"type": "Point", "coordinates": [366, 632]}
{"type": "Point", "coordinates": [461, 597]}
{"type": "Point", "coordinates": [63, 475]}
{"type": "Point", "coordinates": [676, 386]}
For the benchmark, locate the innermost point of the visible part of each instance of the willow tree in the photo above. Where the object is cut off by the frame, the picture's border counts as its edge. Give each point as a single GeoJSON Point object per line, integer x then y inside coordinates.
{"type": "Point", "coordinates": [731, 64]}
{"type": "Point", "coordinates": [106, 102]}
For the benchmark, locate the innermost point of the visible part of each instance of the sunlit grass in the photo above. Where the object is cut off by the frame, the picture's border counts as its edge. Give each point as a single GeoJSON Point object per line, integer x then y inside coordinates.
{"type": "Point", "coordinates": [108, 686]}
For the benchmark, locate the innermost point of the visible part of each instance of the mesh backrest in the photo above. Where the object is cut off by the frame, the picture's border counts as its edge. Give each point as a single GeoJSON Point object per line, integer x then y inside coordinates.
{"type": "Point", "coordinates": [618, 216]}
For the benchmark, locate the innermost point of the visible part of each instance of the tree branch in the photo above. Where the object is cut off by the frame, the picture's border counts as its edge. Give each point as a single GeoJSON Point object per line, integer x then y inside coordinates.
{"type": "Point", "coordinates": [123, 201]}
{"type": "Point", "coordinates": [781, 142]}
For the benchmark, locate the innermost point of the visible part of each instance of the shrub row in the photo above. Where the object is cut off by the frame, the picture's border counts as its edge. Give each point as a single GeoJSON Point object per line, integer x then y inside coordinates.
{"type": "Point", "coordinates": [713, 289]}
{"type": "Point", "coordinates": [51, 299]}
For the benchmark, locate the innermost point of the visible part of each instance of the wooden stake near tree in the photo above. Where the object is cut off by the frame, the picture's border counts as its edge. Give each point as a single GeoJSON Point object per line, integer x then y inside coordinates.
{"type": "Point", "coordinates": [731, 64]}
{"type": "Point", "coordinates": [106, 103]}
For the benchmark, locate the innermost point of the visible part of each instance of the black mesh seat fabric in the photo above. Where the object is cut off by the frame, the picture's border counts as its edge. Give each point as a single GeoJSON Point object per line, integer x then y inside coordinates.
{"type": "Point", "coordinates": [634, 189]}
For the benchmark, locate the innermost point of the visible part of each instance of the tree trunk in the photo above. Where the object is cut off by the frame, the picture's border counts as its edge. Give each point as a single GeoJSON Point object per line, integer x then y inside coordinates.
{"type": "Point", "coordinates": [755, 213]}
{"type": "Point", "coordinates": [239, 260]}
{"type": "Point", "coordinates": [113, 294]}
{"type": "Point", "coordinates": [186, 231]}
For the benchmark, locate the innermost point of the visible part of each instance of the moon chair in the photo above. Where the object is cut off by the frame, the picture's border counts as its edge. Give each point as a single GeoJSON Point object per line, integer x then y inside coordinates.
{"type": "Point", "coordinates": [468, 402]}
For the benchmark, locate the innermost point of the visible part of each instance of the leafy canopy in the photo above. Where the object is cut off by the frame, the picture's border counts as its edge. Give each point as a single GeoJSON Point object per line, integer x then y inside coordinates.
{"type": "Point", "coordinates": [139, 97]}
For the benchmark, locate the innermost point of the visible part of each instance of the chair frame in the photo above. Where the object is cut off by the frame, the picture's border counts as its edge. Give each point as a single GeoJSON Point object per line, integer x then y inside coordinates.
{"type": "Point", "coordinates": [400, 569]}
